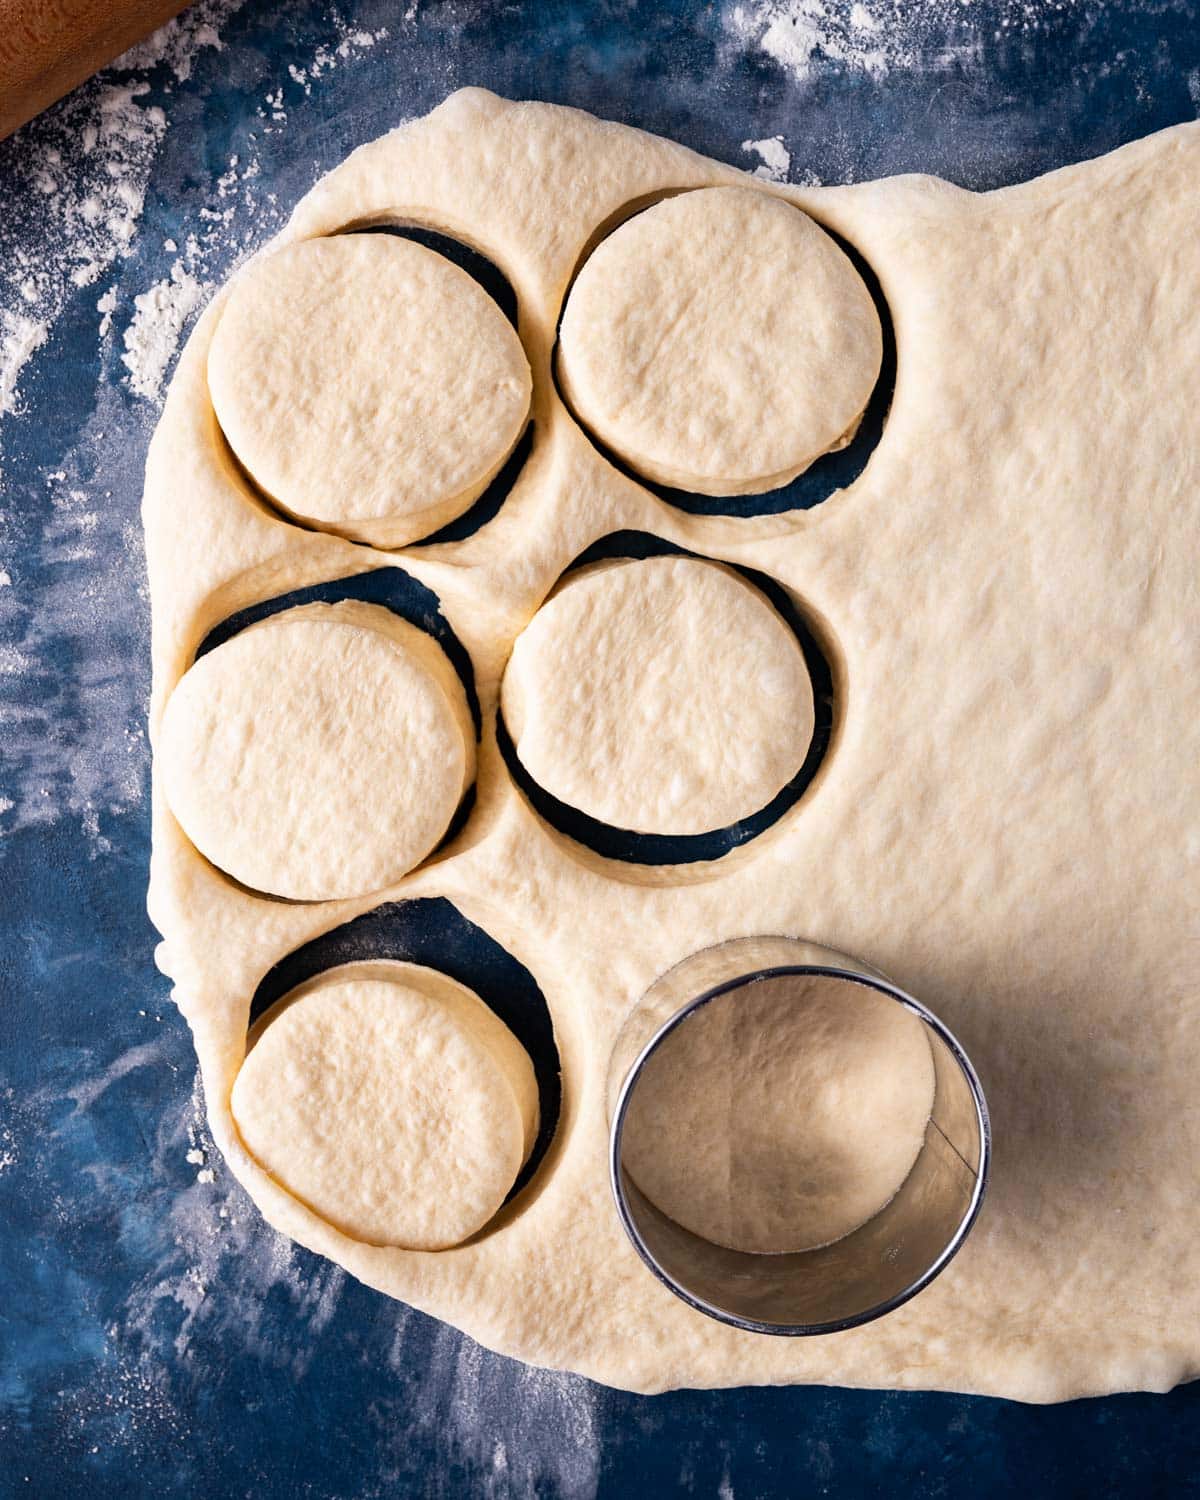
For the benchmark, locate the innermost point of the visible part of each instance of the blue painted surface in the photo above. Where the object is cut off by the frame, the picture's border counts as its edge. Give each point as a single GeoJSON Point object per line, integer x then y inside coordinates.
{"type": "Point", "coordinates": [155, 1337]}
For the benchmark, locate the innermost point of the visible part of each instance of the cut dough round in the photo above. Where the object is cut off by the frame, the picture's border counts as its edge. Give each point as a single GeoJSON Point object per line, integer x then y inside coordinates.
{"type": "Point", "coordinates": [782, 1116]}
{"type": "Point", "coordinates": [368, 385]}
{"type": "Point", "coordinates": [720, 342]}
{"type": "Point", "coordinates": [391, 1101]}
{"type": "Point", "coordinates": [320, 753]}
{"type": "Point", "coordinates": [664, 695]}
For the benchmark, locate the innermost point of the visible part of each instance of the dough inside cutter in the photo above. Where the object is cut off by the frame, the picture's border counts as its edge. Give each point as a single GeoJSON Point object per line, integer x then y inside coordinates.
{"type": "Point", "coordinates": [781, 1115]}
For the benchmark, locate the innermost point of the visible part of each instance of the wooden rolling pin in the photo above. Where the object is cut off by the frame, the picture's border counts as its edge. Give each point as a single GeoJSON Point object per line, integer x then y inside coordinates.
{"type": "Point", "coordinates": [48, 46]}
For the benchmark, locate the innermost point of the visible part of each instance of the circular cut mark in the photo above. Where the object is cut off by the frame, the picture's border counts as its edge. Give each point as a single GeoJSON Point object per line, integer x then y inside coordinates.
{"type": "Point", "coordinates": [433, 933]}
{"type": "Point", "coordinates": [390, 1100]}
{"type": "Point", "coordinates": [720, 342]}
{"type": "Point", "coordinates": [321, 753]}
{"type": "Point", "coordinates": [782, 1116]}
{"type": "Point", "coordinates": [368, 385]}
{"type": "Point", "coordinates": [664, 695]}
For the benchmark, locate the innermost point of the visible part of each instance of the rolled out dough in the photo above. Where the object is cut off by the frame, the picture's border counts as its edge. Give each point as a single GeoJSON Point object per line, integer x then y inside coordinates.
{"type": "Point", "coordinates": [720, 341]}
{"type": "Point", "coordinates": [369, 385]}
{"type": "Point", "coordinates": [783, 1115]}
{"type": "Point", "coordinates": [320, 753]}
{"type": "Point", "coordinates": [391, 1101]}
{"type": "Point", "coordinates": [1006, 822]}
{"type": "Point", "coordinates": [663, 695]}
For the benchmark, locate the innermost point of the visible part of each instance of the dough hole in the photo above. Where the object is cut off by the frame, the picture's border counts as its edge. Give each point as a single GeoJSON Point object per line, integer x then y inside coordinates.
{"type": "Point", "coordinates": [824, 474]}
{"type": "Point", "coordinates": [432, 932]}
{"type": "Point", "coordinates": [592, 733]}
{"type": "Point", "coordinates": [392, 1101]}
{"type": "Point", "coordinates": [367, 385]}
{"type": "Point", "coordinates": [319, 753]}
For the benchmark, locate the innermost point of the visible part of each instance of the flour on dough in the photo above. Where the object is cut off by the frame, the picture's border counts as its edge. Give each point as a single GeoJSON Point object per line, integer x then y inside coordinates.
{"type": "Point", "coordinates": [720, 342]}
{"type": "Point", "coordinates": [390, 1100]}
{"type": "Point", "coordinates": [368, 384]}
{"type": "Point", "coordinates": [319, 753]}
{"type": "Point", "coordinates": [663, 695]}
{"type": "Point", "coordinates": [783, 1115]}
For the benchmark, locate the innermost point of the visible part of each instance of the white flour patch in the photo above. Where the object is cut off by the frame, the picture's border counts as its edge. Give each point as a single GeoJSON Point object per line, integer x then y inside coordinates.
{"type": "Point", "coordinates": [1193, 86]}
{"type": "Point", "coordinates": [325, 59]}
{"type": "Point", "coordinates": [106, 306]}
{"type": "Point", "coordinates": [775, 160]}
{"type": "Point", "coordinates": [78, 176]}
{"type": "Point", "coordinates": [158, 320]}
{"type": "Point", "coordinates": [73, 697]}
{"type": "Point", "coordinates": [178, 41]}
{"type": "Point", "coordinates": [9, 1154]}
{"type": "Point", "coordinates": [515, 1429]}
{"type": "Point", "coordinates": [810, 37]}
{"type": "Point", "coordinates": [20, 336]}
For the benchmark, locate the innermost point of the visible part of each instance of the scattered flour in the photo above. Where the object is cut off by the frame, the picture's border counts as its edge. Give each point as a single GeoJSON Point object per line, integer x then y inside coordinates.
{"type": "Point", "coordinates": [72, 711]}
{"type": "Point", "coordinates": [177, 42]}
{"type": "Point", "coordinates": [20, 336]}
{"type": "Point", "coordinates": [808, 37]}
{"type": "Point", "coordinates": [8, 1141]}
{"type": "Point", "coordinates": [775, 158]}
{"type": "Point", "coordinates": [106, 306]}
{"type": "Point", "coordinates": [515, 1429]}
{"type": "Point", "coordinates": [78, 176]}
{"type": "Point", "coordinates": [1193, 85]}
{"type": "Point", "coordinates": [325, 59]}
{"type": "Point", "coordinates": [158, 319]}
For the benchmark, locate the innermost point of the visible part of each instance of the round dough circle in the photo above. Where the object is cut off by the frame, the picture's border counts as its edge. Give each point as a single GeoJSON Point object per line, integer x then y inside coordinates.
{"type": "Point", "coordinates": [391, 1101]}
{"type": "Point", "coordinates": [720, 342]}
{"type": "Point", "coordinates": [368, 385]}
{"type": "Point", "coordinates": [320, 753]}
{"type": "Point", "coordinates": [663, 695]}
{"type": "Point", "coordinates": [783, 1115]}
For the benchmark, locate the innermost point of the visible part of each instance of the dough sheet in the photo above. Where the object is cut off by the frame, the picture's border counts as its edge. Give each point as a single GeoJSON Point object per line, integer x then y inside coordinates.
{"type": "Point", "coordinates": [1006, 821]}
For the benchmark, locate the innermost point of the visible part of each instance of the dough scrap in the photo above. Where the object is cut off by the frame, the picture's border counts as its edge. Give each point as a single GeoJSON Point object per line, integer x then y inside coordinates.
{"type": "Point", "coordinates": [391, 1101]}
{"type": "Point", "coordinates": [255, 761]}
{"type": "Point", "coordinates": [662, 695]}
{"type": "Point", "coordinates": [720, 342]}
{"type": "Point", "coordinates": [369, 385]}
{"type": "Point", "coordinates": [783, 1115]}
{"type": "Point", "coordinates": [1006, 823]}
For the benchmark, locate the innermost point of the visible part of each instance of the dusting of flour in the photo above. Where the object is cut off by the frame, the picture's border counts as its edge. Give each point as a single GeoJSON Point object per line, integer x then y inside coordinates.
{"type": "Point", "coordinates": [869, 37]}
{"type": "Point", "coordinates": [152, 337]}
{"type": "Point", "coordinates": [774, 158]}
{"type": "Point", "coordinates": [79, 174]}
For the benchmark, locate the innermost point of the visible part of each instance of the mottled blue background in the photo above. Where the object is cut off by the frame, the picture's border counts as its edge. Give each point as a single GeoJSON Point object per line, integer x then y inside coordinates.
{"type": "Point", "coordinates": [155, 1337]}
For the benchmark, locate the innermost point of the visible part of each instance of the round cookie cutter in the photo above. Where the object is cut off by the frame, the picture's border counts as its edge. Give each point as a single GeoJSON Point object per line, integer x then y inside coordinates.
{"type": "Point", "coordinates": [876, 1267]}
